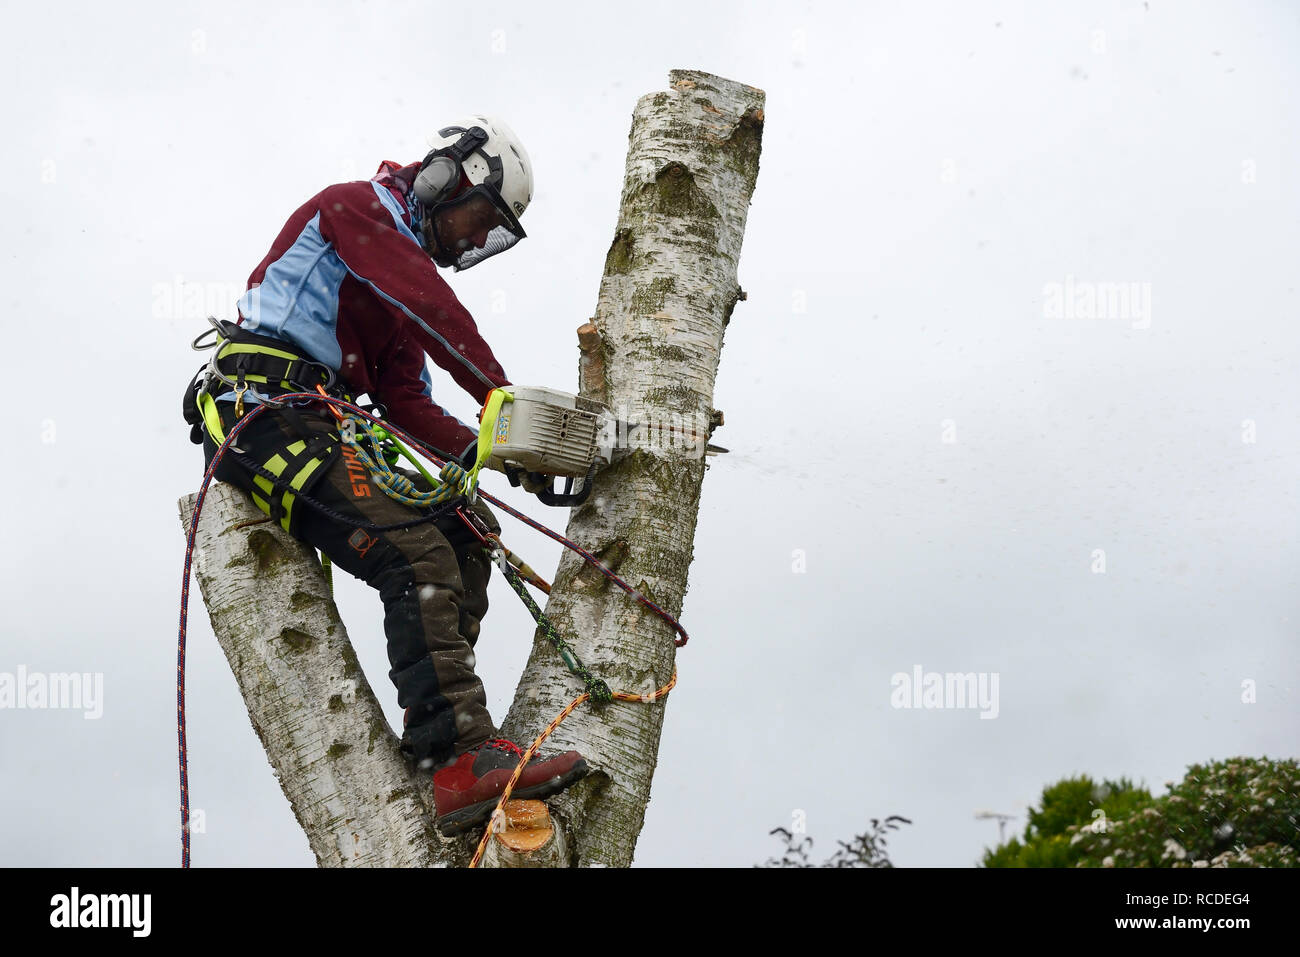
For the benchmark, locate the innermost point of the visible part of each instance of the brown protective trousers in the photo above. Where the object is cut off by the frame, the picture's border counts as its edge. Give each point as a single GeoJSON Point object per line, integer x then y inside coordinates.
{"type": "Point", "coordinates": [432, 578]}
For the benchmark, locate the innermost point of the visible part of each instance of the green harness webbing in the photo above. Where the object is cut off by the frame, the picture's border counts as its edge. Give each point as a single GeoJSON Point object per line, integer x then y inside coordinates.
{"type": "Point", "coordinates": [303, 462]}
{"type": "Point", "coordinates": [295, 464]}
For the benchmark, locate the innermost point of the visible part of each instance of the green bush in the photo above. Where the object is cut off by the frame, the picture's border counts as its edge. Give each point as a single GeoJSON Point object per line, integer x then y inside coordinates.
{"type": "Point", "coordinates": [1065, 806]}
{"type": "Point", "coordinates": [1241, 812]}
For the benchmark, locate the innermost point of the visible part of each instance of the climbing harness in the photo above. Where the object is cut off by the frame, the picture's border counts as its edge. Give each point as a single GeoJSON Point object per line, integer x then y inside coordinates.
{"type": "Point", "coordinates": [245, 361]}
{"type": "Point", "coordinates": [281, 375]}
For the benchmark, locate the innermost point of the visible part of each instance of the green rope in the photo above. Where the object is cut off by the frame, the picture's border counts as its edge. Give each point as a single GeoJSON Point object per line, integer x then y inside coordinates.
{"type": "Point", "coordinates": [394, 484]}
{"type": "Point", "coordinates": [455, 481]}
{"type": "Point", "coordinates": [596, 687]}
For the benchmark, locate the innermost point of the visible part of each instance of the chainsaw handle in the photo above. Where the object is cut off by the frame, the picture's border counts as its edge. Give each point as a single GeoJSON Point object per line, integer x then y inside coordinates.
{"type": "Point", "coordinates": [520, 476]}
{"type": "Point", "coordinates": [569, 498]}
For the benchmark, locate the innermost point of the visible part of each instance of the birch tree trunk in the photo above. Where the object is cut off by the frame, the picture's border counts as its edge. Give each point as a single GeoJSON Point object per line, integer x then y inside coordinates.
{"type": "Point", "coordinates": [313, 710]}
{"type": "Point", "coordinates": [651, 353]}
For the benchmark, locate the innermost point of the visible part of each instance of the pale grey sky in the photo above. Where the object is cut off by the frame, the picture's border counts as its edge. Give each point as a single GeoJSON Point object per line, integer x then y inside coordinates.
{"type": "Point", "coordinates": [904, 411]}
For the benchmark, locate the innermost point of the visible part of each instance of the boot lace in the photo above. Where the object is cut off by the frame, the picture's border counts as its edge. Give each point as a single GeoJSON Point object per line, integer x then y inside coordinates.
{"type": "Point", "coordinates": [504, 744]}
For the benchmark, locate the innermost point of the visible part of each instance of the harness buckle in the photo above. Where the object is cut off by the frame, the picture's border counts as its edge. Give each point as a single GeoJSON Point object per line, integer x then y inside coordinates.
{"type": "Point", "coordinates": [330, 378]}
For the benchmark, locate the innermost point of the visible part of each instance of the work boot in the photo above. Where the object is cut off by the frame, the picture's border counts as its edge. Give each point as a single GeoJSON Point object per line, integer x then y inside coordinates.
{"type": "Point", "coordinates": [466, 790]}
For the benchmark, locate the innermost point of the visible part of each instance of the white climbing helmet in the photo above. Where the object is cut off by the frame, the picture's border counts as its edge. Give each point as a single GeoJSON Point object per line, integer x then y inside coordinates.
{"type": "Point", "coordinates": [485, 153]}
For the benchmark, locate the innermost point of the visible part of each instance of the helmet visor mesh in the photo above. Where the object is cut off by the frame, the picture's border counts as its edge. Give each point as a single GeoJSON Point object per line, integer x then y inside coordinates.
{"type": "Point", "coordinates": [475, 226]}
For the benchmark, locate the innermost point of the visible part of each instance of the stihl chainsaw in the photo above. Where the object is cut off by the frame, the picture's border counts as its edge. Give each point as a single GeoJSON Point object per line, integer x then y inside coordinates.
{"type": "Point", "coordinates": [560, 435]}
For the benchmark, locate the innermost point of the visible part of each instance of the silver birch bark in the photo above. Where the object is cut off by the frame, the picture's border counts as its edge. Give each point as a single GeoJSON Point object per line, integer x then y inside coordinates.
{"type": "Point", "coordinates": [651, 353]}
{"type": "Point", "coordinates": [323, 730]}
{"type": "Point", "coordinates": [665, 299]}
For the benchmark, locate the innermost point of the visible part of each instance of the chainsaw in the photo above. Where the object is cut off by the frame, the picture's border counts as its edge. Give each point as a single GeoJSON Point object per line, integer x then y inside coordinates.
{"type": "Point", "coordinates": [555, 434]}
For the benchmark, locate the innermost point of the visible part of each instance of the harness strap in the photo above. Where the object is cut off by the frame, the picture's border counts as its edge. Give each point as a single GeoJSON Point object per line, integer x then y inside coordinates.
{"type": "Point", "coordinates": [294, 418]}
{"type": "Point", "coordinates": [265, 364]}
{"type": "Point", "coordinates": [294, 467]}
{"type": "Point", "coordinates": [272, 367]}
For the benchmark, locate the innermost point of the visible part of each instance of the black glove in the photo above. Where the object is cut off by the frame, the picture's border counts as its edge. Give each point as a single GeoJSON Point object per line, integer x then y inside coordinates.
{"type": "Point", "coordinates": [532, 482]}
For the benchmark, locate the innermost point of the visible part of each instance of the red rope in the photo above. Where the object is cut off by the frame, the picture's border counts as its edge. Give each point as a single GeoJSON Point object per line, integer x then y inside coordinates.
{"type": "Point", "coordinates": [180, 643]}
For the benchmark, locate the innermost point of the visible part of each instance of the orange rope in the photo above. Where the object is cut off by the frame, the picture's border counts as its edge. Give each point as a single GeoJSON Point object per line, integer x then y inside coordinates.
{"type": "Point", "coordinates": [498, 815]}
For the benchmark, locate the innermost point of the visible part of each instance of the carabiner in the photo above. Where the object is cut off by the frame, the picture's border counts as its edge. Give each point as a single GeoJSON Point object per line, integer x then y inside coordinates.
{"type": "Point", "coordinates": [216, 331]}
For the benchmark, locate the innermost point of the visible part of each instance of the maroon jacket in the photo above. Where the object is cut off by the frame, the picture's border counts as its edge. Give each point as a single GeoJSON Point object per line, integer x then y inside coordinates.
{"type": "Point", "coordinates": [347, 283]}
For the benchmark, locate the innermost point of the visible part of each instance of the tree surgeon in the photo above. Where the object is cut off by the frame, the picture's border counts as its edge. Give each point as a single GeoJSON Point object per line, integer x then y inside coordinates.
{"type": "Point", "coordinates": [349, 301]}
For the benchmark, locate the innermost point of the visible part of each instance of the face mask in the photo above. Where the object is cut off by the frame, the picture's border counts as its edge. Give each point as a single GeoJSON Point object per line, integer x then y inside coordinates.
{"type": "Point", "coordinates": [470, 228]}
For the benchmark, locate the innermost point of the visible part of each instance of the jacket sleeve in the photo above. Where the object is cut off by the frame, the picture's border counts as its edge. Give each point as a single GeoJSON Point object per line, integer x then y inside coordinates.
{"type": "Point", "coordinates": [406, 392]}
{"type": "Point", "coordinates": [380, 250]}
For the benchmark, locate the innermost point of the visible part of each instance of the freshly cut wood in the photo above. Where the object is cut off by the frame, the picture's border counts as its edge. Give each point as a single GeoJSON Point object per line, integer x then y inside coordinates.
{"type": "Point", "coordinates": [525, 836]}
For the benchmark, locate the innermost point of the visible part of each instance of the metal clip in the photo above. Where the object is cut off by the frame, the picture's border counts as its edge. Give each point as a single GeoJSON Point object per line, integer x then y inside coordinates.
{"type": "Point", "coordinates": [216, 332]}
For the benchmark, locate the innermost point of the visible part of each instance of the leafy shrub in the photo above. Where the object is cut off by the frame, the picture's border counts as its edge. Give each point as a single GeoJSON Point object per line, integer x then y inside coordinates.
{"type": "Point", "coordinates": [1240, 812]}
